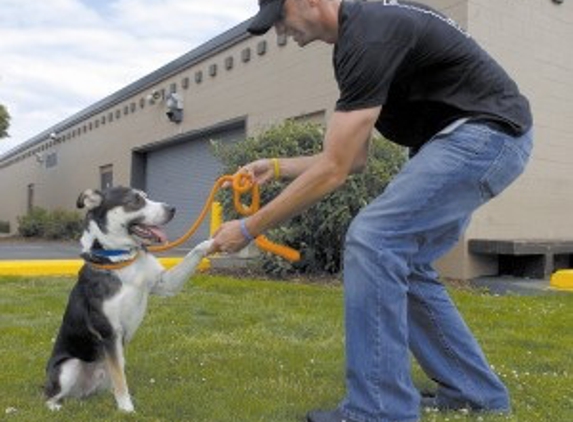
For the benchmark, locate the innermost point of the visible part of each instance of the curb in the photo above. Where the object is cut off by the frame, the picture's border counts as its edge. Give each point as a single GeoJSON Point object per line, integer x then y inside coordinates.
{"type": "Point", "coordinates": [562, 280]}
{"type": "Point", "coordinates": [65, 267]}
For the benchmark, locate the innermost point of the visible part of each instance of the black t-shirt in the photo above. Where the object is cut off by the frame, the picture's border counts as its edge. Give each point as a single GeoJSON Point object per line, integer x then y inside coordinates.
{"type": "Point", "coordinates": [423, 69]}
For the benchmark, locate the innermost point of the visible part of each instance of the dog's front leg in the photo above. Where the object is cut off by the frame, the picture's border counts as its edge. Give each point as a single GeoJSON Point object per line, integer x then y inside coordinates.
{"type": "Point", "coordinates": [171, 281]}
{"type": "Point", "coordinates": [116, 366]}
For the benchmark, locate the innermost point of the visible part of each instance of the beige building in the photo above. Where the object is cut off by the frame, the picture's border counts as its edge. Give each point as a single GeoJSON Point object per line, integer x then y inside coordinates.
{"type": "Point", "coordinates": [236, 85]}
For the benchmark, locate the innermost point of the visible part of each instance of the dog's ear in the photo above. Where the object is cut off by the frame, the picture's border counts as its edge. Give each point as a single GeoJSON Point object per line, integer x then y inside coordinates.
{"type": "Point", "coordinates": [90, 199]}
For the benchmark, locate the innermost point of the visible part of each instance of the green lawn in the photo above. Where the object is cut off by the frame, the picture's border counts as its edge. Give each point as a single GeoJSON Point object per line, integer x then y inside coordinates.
{"type": "Point", "coordinates": [229, 350]}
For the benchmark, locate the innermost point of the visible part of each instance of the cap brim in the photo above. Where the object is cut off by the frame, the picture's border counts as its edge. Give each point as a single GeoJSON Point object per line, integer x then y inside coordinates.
{"type": "Point", "coordinates": [268, 15]}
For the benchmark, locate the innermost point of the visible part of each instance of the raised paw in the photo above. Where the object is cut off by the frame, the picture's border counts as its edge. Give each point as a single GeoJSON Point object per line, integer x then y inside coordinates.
{"type": "Point", "coordinates": [205, 247]}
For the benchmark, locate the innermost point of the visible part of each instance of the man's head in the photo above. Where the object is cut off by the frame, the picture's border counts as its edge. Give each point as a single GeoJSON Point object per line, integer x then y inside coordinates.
{"type": "Point", "coordinates": [304, 20]}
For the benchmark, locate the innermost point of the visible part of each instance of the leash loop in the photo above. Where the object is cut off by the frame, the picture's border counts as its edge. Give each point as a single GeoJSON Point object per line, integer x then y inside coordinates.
{"type": "Point", "coordinates": [242, 183]}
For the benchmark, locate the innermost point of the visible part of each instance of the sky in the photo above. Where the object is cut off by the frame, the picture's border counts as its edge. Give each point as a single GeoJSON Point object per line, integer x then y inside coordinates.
{"type": "Point", "coordinates": [58, 57]}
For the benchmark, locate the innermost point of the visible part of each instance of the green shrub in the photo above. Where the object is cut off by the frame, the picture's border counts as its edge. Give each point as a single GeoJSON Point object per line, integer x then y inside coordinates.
{"type": "Point", "coordinates": [4, 227]}
{"type": "Point", "coordinates": [33, 224]}
{"type": "Point", "coordinates": [63, 224]}
{"type": "Point", "coordinates": [319, 232]}
{"type": "Point", "coordinates": [56, 224]}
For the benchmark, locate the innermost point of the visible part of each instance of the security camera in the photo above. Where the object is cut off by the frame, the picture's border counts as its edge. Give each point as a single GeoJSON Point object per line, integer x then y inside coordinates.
{"type": "Point", "coordinates": [174, 105]}
{"type": "Point", "coordinates": [39, 157]}
{"type": "Point", "coordinates": [153, 96]}
{"type": "Point", "coordinates": [53, 136]}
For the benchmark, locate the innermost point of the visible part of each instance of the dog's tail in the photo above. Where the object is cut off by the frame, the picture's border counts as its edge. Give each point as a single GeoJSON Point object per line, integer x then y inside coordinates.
{"type": "Point", "coordinates": [52, 386]}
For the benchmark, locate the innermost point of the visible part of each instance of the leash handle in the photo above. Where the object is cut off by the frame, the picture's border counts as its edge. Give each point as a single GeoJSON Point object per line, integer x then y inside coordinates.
{"type": "Point", "coordinates": [242, 184]}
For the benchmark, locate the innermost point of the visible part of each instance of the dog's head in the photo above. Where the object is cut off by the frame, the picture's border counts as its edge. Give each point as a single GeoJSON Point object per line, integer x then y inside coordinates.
{"type": "Point", "coordinates": [122, 218]}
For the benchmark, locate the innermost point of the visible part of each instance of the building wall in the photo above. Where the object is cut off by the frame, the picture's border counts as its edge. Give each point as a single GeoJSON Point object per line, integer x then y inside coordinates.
{"type": "Point", "coordinates": [532, 40]}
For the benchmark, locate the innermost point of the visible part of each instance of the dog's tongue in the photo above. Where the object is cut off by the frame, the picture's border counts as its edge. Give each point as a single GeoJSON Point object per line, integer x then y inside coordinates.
{"type": "Point", "coordinates": [158, 233]}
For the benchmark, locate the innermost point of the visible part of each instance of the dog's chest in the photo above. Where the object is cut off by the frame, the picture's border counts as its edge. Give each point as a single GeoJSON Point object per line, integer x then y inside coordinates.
{"type": "Point", "coordinates": [126, 309]}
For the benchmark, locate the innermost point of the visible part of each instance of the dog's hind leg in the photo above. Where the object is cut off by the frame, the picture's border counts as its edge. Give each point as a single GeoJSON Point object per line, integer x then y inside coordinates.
{"type": "Point", "coordinates": [62, 383]}
{"type": "Point", "coordinates": [116, 366]}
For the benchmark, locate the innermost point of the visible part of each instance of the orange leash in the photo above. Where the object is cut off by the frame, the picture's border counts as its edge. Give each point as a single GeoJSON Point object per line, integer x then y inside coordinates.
{"type": "Point", "coordinates": [241, 184]}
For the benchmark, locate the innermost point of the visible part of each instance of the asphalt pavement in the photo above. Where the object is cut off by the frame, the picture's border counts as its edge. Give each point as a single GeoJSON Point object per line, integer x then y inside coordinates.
{"type": "Point", "coordinates": [26, 249]}
{"type": "Point", "coordinates": [37, 249]}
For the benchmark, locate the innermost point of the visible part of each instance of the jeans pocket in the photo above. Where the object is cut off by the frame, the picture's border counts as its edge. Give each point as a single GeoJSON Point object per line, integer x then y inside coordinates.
{"type": "Point", "coordinates": [506, 167]}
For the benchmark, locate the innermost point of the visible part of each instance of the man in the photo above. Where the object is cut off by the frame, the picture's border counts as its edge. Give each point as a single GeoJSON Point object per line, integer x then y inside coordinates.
{"type": "Point", "coordinates": [419, 79]}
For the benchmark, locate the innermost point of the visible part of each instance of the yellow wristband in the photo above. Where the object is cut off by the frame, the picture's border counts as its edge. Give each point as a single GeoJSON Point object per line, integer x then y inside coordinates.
{"type": "Point", "coordinates": [277, 168]}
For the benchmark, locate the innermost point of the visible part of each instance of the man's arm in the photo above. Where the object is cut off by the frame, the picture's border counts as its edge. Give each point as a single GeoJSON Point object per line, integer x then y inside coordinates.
{"type": "Point", "coordinates": [345, 149]}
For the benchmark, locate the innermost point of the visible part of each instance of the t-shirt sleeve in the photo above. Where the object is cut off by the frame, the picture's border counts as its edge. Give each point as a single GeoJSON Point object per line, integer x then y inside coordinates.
{"type": "Point", "coordinates": [365, 69]}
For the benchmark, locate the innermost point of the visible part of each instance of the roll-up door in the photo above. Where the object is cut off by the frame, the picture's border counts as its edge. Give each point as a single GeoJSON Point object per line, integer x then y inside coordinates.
{"type": "Point", "coordinates": [182, 174]}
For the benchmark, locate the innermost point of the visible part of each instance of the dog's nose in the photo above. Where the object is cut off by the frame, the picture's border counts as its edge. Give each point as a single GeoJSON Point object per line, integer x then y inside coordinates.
{"type": "Point", "coordinates": [170, 210]}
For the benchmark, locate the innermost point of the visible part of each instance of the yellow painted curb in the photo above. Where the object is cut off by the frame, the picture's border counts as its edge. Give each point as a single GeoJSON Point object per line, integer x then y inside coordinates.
{"type": "Point", "coordinates": [562, 280]}
{"type": "Point", "coordinates": [59, 267]}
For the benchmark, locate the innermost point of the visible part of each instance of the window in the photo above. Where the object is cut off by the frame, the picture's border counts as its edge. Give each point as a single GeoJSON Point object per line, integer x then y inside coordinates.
{"type": "Point", "coordinates": [282, 40]}
{"type": "Point", "coordinates": [229, 63]}
{"type": "Point", "coordinates": [51, 160]}
{"type": "Point", "coordinates": [246, 55]}
{"type": "Point", "coordinates": [261, 47]}
{"type": "Point", "coordinates": [106, 176]}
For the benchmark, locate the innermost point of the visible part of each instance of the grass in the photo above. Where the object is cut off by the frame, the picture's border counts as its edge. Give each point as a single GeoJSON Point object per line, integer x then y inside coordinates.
{"type": "Point", "coordinates": [228, 350]}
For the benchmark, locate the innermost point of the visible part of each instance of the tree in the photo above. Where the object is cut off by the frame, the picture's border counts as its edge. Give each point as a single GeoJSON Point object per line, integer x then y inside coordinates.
{"type": "Point", "coordinates": [4, 122]}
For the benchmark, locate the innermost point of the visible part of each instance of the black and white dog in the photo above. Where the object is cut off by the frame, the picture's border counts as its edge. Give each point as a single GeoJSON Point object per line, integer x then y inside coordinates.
{"type": "Point", "coordinates": [106, 306]}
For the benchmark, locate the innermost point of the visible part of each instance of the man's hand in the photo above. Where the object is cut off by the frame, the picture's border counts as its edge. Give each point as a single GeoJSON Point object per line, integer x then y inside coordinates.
{"type": "Point", "coordinates": [261, 171]}
{"type": "Point", "coordinates": [229, 238]}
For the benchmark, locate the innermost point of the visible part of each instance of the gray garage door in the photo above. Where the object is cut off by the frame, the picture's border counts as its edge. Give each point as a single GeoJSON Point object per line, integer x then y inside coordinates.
{"type": "Point", "coordinates": [183, 175]}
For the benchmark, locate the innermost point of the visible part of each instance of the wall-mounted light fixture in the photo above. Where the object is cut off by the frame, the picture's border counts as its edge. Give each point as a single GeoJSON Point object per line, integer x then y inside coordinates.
{"type": "Point", "coordinates": [174, 105]}
{"type": "Point", "coordinates": [154, 96]}
{"type": "Point", "coordinates": [39, 157]}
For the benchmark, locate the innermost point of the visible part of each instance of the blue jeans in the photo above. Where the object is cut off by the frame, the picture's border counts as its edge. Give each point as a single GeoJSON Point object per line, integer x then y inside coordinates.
{"type": "Point", "coordinates": [394, 302]}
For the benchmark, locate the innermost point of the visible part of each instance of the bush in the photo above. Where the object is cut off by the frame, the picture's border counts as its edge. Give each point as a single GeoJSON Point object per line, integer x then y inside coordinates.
{"type": "Point", "coordinates": [319, 232]}
{"type": "Point", "coordinates": [63, 224]}
{"type": "Point", "coordinates": [57, 224]}
{"type": "Point", "coordinates": [33, 224]}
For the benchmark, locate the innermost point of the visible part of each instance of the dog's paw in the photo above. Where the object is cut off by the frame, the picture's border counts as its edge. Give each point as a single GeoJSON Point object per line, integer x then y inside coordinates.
{"type": "Point", "coordinates": [53, 406]}
{"type": "Point", "coordinates": [125, 404]}
{"type": "Point", "coordinates": [127, 408]}
{"type": "Point", "coordinates": [205, 247]}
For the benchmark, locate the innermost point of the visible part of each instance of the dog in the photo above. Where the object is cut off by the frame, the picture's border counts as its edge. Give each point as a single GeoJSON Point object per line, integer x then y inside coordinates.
{"type": "Point", "coordinates": [109, 300]}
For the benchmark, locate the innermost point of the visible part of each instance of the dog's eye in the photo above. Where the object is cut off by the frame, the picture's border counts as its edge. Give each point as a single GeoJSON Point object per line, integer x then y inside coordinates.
{"type": "Point", "coordinates": [139, 199]}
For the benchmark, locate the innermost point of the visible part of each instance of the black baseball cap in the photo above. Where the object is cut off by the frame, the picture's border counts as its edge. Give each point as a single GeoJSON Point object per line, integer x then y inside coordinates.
{"type": "Point", "coordinates": [270, 12]}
